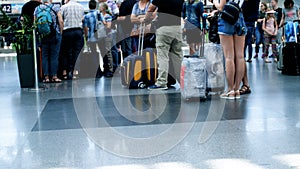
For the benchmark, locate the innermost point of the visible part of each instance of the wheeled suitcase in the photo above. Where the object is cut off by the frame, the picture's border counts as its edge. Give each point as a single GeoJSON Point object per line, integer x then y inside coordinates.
{"type": "Point", "coordinates": [89, 64]}
{"type": "Point", "coordinates": [132, 72]}
{"type": "Point", "coordinates": [132, 68]}
{"type": "Point", "coordinates": [280, 57]}
{"type": "Point", "coordinates": [193, 75]}
{"type": "Point", "coordinates": [215, 67]}
{"type": "Point", "coordinates": [150, 66]}
{"type": "Point", "coordinates": [291, 54]}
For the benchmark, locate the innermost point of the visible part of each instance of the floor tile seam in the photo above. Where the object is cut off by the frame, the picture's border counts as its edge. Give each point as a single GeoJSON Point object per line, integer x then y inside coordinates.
{"type": "Point", "coordinates": [275, 118]}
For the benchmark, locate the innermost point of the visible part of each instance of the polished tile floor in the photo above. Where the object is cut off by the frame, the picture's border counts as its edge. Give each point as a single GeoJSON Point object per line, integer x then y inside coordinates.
{"type": "Point", "coordinates": [97, 124]}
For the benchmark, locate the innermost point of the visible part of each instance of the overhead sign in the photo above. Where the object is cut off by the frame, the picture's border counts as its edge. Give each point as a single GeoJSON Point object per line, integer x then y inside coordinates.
{"type": "Point", "coordinates": [6, 8]}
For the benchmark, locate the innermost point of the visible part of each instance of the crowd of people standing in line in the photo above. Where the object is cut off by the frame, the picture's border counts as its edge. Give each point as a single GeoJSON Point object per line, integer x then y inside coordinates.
{"type": "Point", "coordinates": [265, 26]}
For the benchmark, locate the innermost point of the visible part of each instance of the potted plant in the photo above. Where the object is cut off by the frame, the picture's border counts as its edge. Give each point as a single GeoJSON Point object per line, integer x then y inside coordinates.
{"type": "Point", "coordinates": [21, 36]}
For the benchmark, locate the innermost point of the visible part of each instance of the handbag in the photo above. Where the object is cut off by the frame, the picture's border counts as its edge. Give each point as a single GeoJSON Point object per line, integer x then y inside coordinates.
{"type": "Point", "coordinates": [231, 12]}
{"type": "Point", "coordinates": [100, 28]}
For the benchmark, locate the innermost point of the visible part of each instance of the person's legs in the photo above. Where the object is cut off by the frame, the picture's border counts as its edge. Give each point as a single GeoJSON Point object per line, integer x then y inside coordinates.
{"type": "Point", "coordinates": [55, 46]}
{"type": "Point", "coordinates": [239, 61]}
{"type": "Point", "coordinates": [266, 52]}
{"type": "Point", "coordinates": [257, 42]}
{"type": "Point", "coordinates": [108, 59]}
{"type": "Point", "coordinates": [248, 43]}
{"type": "Point", "coordinates": [77, 46]}
{"type": "Point", "coordinates": [245, 89]}
{"type": "Point", "coordinates": [163, 45]}
{"type": "Point", "coordinates": [228, 49]}
{"type": "Point", "coordinates": [274, 48]}
{"type": "Point", "coordinates": [45, 60]}
{"type": "Point", "coordinates": [176, 55]}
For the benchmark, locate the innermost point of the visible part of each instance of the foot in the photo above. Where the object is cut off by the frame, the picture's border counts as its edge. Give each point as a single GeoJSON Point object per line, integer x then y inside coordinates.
{"type": "Point", "coordinates": [156, 87]}
{"type": "Point", "coordinates": [46, 79]}
{"type": "Point", "coordinates": [267, 61]}
{"type": "Point", "coordinates": [245, 90]}
{"type": "Point", "coordinates": [237, 94]}
{"type": "Point", "coordinates": [255, 56]}
{"type": "Point", "coordinates": [55, 79]}
{"type": "Point", "coordinates": [249, 60]}
{"type": "Point", "coordinates": [228, 95]}
{"type": "Point", "coordinates": [275, 60]}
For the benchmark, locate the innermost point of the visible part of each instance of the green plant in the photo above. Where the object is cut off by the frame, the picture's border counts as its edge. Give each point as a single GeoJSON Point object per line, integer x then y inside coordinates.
{"type": "Point", "coordinates": [20, 33]}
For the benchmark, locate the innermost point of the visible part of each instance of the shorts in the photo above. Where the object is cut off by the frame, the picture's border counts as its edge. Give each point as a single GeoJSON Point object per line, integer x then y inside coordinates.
{"type": "Point", "coordinates": [239, 28]}
{"type": "Point", "coordinates": [193, 35]}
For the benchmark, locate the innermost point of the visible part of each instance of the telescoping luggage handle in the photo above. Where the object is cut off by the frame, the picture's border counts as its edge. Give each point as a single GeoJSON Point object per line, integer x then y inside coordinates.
{"type": "Point", "coordinates": [296, 24]}
{"type": "Point", "coordinates": [201, 47]}
{"type": "Point", "coordinates": [141, 39]}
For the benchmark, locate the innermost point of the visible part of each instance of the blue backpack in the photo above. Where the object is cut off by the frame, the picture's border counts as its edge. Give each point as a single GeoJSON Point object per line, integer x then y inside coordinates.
{"type": "Point", "coordinates": [44, 21]}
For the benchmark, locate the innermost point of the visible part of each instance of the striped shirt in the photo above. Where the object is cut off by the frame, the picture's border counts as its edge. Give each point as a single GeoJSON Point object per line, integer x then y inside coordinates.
{"type": "Point", "coordinates": [72, 14]}
{"type": "Point", "coordinates": [112, 7]}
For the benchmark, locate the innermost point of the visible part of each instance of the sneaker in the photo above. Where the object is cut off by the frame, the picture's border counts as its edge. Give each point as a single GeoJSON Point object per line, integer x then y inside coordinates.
{"type": "Point", "coordinates": [228, 95]}
{"type": "Point", "coordinates": [155, 87]}
{"type": "Point", "coordinates": [267, 61]}
{"type": "Point", "coordinates": [275, 60]}
{"type": "Point", "coordinates": [255, 56]}
{"type": "Point", "coordinates": [249, 60]}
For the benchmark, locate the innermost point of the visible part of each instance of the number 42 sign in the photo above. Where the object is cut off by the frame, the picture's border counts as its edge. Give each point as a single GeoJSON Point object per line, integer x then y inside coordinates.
{"type": "Point", "coordinates": [6, 8]}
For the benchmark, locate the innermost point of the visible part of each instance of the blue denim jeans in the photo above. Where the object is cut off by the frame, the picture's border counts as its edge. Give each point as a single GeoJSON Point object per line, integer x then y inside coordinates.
{"type": "Point", "coordinates": [114, 51]}
{"type": "Point", "coordinates": [239, 28]}
{"type": "Point", "coordinates": [50, 53]}
{"type": "Point", "coordinates": [259, 35]}
{"type": "Point", "coordinates": [248, 39]}
{"type": "Point", "coordinates": [126, 46]}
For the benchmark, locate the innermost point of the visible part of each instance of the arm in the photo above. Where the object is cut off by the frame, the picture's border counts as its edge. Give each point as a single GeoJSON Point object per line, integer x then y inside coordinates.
{"type": "Point", "coordinates": [60, 21]}
{"type": "Point", "coordinates": [276, 27]}
{"type": "Point", "coordinates": [220, 5]}
{"type": "Point", "coordinates": [136, 19]}
{"type": "Point", "coordinates": [149, 15]}
{"type": "Point", "coordinates": [85, 28]}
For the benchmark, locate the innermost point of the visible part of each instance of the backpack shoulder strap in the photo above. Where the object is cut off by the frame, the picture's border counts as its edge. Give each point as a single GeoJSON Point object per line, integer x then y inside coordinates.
{"type": "Point", "coordinates": [51, 8]}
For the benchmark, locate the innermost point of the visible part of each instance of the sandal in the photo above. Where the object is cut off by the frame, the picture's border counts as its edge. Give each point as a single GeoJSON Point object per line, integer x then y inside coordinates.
{"type": "Point", "coordinates": [56, 80]}
{"type": "Point", "coordinates": [46, 79]}
{"type": "Point", "coordinates": [65, 77]}
{"type": "Point", "coordinates": [245, 90]}
{"type": "Point", "coordinates": [228, 95]}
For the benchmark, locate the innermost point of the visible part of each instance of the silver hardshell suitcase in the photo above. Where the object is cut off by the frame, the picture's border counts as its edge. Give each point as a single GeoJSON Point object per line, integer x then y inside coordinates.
{"type": "Point", "coordinates": [193, 75]}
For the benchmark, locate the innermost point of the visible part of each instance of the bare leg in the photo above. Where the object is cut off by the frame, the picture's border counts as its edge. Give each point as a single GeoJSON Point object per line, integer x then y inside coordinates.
{"type": "Point", "coordinates": [228, 49]}
{"type": "Point", "coordinates": [239, 42]}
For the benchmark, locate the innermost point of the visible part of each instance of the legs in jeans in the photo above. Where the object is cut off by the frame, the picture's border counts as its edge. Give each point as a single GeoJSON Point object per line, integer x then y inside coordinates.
{"type": "Point", "coordinates": [259, 40]}
{"type": "Point", "coordinates": [105, 49]}
{"type": "Point", "coordinates": [114, 51]}
{"type": "Point", "coordinates": [50, 53]}
{"type": "Point", "coordinates": [126, 46]}
{"type": "Point", "coordinates": [248, 42]}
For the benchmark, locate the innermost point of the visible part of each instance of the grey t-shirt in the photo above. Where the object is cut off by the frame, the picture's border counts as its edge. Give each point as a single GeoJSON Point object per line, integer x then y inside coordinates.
{"type": "Point", "coordinates": [290, 14]}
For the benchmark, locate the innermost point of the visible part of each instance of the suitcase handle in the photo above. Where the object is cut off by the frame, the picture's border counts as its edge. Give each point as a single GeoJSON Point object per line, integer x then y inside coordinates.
{"type": "Point", "coordinates": [141, 38]}
{"type": "Point", "coordinates": [201, 48]}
